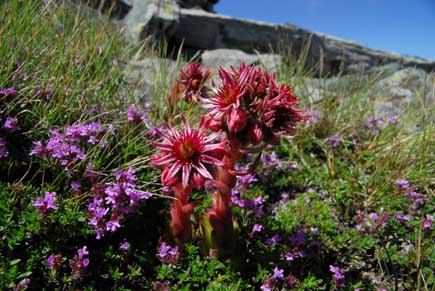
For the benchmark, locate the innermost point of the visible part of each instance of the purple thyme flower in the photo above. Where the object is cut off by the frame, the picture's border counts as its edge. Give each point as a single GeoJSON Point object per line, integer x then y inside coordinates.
{"type": "Point", "coordinates": [416, 199]}
{"type": "Point", "coordinates": [168, 254]}
{"type": "Point", "coordinates": [257, 228]}
{"type": "Point", "coordinates": [54, 261]}
{"type": "Point", "coordinates": [294, 253]}
{"type": "Point", "coordinates": [402, 184]}
{"type": "Point", "coordinates": [112, 225]}
{"type": "Point", "coordinates": [271, 161]}
{"type": "Point", "coordinates": [284, 197]}
{"type": "Point", "coordinates": [135, 116]}
{"type": "Point", "coordinates": [161, 286]}
{"type": "Point", "coordinates": [337, 276]}
{"type": "Point", "coordinates": [8, 92]}
{"type": "Point", "coordinates": [124, 245]}
{"type": "Point", "coordinates": [335, 140]}
{"type": "Point", "coordinates": [246, 181]}
{"type": "Point", "coordinates": [46, 204]}
{"type": "Point", "coordinates": [393, 120]}
{"type": "Point", "coordinates": [400, 217]}
{"type": "Point", "coordinates": [67, 146]}
{"type": "Point", "coordinates": [374, 124]}
{"type": "Point", "coordinates": [428, 221]}
{"type": "Point", "coordinates": [314, 230]}
{"type": "Point", "coordinates": [119, 198]}
{"type": "Point", "coordinates": [22, 285]}
{"type": "Point", "coordinates": [278, 273]}
{"type": "Point", "coordinates": [97, 213]}
{"type": "Point", "coordinates": [75, 185]}
{"type": "Point", "coordinates": [3, 150]}
{"type": "Point", "coordinates": [273, 240]}
{"type": "Point", "coordinates": [268, 284]}
{"type": "Point", "coordinates": [11, 124]}
{"type": "Point", "coordinates": [80, 262]}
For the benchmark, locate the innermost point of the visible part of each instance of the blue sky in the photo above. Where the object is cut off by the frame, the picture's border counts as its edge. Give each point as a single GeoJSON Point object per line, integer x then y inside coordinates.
{"type": "Point", "coordinates": [404, 26]}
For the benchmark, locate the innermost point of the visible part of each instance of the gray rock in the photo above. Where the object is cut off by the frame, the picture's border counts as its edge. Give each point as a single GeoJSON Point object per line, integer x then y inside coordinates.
{"type": "Point", "coordinates": [156, 18]}
{"type": "Point", "coordinates": [201, 30]}
{"type": "Point", "coordinates": [225, 58]}
{"type": "Point", "coordinates": [403, 88]}
{"type": "Point", "coordinates": [150, 76]}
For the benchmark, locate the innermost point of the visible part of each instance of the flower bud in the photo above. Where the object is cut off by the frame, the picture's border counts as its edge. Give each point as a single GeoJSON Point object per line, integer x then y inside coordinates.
{"type": "Point", "coordinates": [256, 134]}
{"type": "Point", "coordinates": [198, 181]}
{"type": "Point", "coordinates": [214, 124]}
{"type": "Point", "coordinates": [237, 120]}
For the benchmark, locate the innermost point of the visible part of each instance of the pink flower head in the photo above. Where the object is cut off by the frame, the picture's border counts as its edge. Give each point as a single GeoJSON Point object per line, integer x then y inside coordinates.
{"type": "Point", "coordinates": [228, 96]}
{"type": "Point", "coordinates": [22, 285]}
{"type": "Point", "coordinates": [168, 254]}
{"type": "Point", "coordinates": [193, 79]}
{"type": "Point", "coordinates": [428, 221]}
{"type": "Point", "coordinates": [257, 228]}
{"type": "Point", "coordinates": [54, 261]}
{"type": "Point", "coordinates": [136, 116]}
{"type": "Point", "coordinates": [190, 84]}
{"type": "Point", "coordinates": [11, 124]}
{"type": "Point", "coordinates": [337, 276]}
{"type": "Point", "coordinates": [80, 261]}
{"type": "Point", "coordinates": [237, 120]}
{"type": "Point", "coordinates": [251, 103]}
{"type": "Point", "coordinates": [402, 184]}
{"type": "Point", "coordinates": [278, 273]}
{"type": "Point", "coordinates": [125, 245]}
{"type": "Point", "coordinates": [46, 204]}
{"type": "Point", "coordinates": [8, 92]}
{"type": "Point", "coordinates": [185, 152]}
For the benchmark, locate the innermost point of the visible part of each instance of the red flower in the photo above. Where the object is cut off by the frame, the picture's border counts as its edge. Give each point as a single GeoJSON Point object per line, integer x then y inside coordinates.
{"type": "Point", "coordinates": [251, 107]}
{"type": "Point", "coordinates": [191, 82]}
{"type": "Point", "coordinates": [228, 96]}
{"type": "Point", "coordinates": [185, 154]}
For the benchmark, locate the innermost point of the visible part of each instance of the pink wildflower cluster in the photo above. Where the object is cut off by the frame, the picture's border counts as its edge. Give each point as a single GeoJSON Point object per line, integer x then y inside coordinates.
{"type": "Point", "coordinates": [278, 281]}
{"type": "Point", "coordinates": [80, 261]}
{"type": "Point", "coordinates": [47, 204]}
{"type": "Point", "coordinates": [10, 124]}
{"type": "Point", "coordinates": [7, 93]}
{"type": "Point", "coordinates": [68, 146]}
{"type": "Point", "coordinates": [338, 277]}
{"type": "Point", "coordinates": [375, 124]}
{"type": "Point", "coordinates": [417, 200]}
{"type": "Point", "coordinates": [135, 115]}
{"type": "Point", "coordinates": [168, 254]}
{"type": "Point", "coordinates": [113, 201]}
{"type": "Point", "coordinates": [372, 222]}
{"type": "Point", "coordinates": [54, 261]}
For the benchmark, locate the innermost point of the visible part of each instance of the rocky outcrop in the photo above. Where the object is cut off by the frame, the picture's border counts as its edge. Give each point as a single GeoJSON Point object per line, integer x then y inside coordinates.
{"type": "Point", "coordinates": [201, 30]}
{"type": "Point", "coordinates": [149, 76]}
{"type": "Point", "coordinates": [191, 25]}
{"type": "Point", "coordinates": [404, 88]}
{"type": "Point", "coordinates": [390, 90]}
{"type": "Point", "coordinates": [225, 58]}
